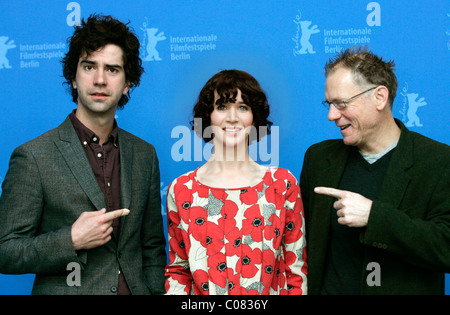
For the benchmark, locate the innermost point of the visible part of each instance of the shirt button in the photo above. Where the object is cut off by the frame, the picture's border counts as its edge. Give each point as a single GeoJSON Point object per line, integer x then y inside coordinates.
{"type": "Point", "coordinates": [108, 184]}
{"type": "Point", "coordinates": [94, 139]}
{"type": "Point", "coordinates": [85, 143]}
{"type": "Point", "coordinates": [113, 289]}
{"type": "Point", "coordinates": [99, 155]}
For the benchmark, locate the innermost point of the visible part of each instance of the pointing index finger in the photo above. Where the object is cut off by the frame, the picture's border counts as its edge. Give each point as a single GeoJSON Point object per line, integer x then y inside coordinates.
{"type": "Point", "coordinates": [333, 192]}
{"type": "Point", "coordinates": [116, 214]}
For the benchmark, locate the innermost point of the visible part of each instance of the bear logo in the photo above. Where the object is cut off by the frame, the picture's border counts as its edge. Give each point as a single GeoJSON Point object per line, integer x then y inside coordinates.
{"type": "Point", "coordinates": [153, 37]}
{"type": "Point", "coordinates": [414, 104]}
{"type": "Point", "coordinates": [4, 47]}
{"type": "Point", "coordinates": [307, 31]}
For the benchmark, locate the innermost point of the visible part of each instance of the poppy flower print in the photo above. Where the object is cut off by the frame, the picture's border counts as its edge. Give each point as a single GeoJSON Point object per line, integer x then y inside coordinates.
{"type": "Point", "coordinates": [201, 286]}
{"type": "Point", "coordinates": [248, 196]}
{"type": "Point", "coordinates": [272, 231]}
{"type": "Point", "coordinates": [249, 261]}
{"type": "Point", "coordinates": [236, 241]}
{"type": "Point", "coordinates": [253, 224]}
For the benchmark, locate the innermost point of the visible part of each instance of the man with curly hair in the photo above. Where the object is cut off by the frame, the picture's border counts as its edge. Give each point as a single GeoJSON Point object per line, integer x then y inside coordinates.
{"type": "Point", "coordinates": [85, 197]}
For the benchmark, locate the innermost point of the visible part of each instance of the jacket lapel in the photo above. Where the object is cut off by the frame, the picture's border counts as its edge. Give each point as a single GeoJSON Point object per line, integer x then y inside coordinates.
{"type": "Point", "coordinates": [71, 149]}
{"type": "Point", "coordinates": [397, 179]}
{"type": "Point", "coordinates": [126, 169]}
{"type": "Point", "coordinates": [330, 176]}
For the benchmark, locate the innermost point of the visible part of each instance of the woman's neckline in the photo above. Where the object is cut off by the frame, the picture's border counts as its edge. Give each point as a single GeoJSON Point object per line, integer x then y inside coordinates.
{"type": "Point", "coordinates": [257, 182]}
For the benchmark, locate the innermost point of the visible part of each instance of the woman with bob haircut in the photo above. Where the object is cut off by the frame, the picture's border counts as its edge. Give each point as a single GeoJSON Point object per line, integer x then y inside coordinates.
{"type": "Point", "coordinates": [235, 227]}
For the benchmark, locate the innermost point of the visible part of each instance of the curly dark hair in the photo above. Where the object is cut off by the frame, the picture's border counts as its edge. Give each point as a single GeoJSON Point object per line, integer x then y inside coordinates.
{"type": "Point", "coordinates": [227, 83]}
{"type": "Point", "coordinates": [366, 68]}
{"type": "Point", "coordinates": [93, 34]}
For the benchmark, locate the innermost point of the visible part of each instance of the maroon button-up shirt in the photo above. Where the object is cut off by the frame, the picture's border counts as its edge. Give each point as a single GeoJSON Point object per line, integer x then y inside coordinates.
{"type": "Point", "coordinates": [105, 162]}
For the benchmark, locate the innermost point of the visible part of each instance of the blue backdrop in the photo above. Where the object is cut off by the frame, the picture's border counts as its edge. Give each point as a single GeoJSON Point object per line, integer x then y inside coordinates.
{"type": "Point", "coordinates": [284, 44]}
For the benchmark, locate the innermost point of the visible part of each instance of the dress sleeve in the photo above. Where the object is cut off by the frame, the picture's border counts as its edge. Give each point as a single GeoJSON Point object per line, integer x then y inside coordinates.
{"type": "Point", "coordinates": [294, 242]}
{"type": "Point", "coordinates": [179, 277]}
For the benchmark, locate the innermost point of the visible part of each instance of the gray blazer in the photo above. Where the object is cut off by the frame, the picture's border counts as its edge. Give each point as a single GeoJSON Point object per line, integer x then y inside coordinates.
{"type": "Point", "coordinates": [48, 185]}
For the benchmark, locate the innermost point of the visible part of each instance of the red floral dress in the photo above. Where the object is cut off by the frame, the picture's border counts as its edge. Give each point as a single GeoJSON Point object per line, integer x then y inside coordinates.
{"type": "Point", "coordinates": [246, 240]}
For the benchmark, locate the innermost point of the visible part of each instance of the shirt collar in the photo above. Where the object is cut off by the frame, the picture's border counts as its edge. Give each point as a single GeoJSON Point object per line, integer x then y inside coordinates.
{"type": "Point", "coordinates": [87, 136]}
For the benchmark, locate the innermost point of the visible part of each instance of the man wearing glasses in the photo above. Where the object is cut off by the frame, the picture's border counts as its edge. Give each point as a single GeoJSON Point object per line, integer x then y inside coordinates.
{"type": "Point", "coordinates": [377, 203]}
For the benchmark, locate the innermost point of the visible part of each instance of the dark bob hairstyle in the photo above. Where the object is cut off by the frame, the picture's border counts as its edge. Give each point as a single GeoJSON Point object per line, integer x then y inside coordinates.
{"type": "Point", "coordinates": [94, 34]}
{"type": "Point", "coordinates": [227, 83]}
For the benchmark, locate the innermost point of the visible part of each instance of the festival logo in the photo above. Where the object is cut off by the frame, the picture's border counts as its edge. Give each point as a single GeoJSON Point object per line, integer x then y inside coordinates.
{"type": "Point", "coordinates": [411, 103]}
{"type": "Point", "coordinates": [5, 45]}
{"type": "Point", "coordinates": [335, 40]}
{"type": "Point", "coordinates": [34, 55]}
{"type": "Point", "coordinates": [181, 47]}
{"type": "Point", "coordinates": [303, 35]}
{"type": "Point", "coordinates": [152, 37]}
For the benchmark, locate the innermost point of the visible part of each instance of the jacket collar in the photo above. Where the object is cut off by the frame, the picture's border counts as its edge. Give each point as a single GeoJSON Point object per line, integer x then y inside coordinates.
{"type": "Point", "coordinates": [397, 179]}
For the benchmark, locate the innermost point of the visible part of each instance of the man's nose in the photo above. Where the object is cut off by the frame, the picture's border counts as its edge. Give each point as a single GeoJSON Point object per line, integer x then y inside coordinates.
{"type": "Point", "coordinates": [100, 77]}
{"type": "Point", "coordinates": [333, 113]}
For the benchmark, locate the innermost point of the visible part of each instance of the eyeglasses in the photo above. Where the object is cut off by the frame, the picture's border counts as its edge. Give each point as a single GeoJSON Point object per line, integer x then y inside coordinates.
{"type": "Point", "coordinates": [342, 104]}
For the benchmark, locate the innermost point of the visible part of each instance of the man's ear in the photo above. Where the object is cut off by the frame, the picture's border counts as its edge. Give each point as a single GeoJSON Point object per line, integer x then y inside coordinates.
{"type": "Point", "coordinates": [127, 88]}
{"type": "Point", "coordinates": [381, 96]}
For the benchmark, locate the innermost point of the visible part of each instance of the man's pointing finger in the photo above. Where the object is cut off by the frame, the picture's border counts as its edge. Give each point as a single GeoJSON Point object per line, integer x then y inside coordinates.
{"type": "Point", "coordinates": [333, 192]}
{"type": "Point", "coordinates": [116, 214]}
